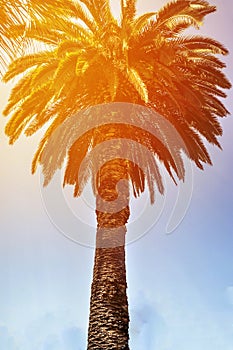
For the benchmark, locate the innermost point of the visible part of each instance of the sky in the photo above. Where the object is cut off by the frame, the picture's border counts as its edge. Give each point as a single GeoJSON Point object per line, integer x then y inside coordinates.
{"type": "Point", "coordinates": [180, 285]}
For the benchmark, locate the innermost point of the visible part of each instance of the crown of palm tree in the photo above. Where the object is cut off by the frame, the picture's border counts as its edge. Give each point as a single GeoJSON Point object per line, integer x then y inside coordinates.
{"type": "Point", "coordinates": [87, 58]}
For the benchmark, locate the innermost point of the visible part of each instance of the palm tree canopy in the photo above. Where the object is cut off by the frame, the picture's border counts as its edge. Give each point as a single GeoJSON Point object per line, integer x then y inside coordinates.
{"type": "Point", "coordinates": [84, 57]}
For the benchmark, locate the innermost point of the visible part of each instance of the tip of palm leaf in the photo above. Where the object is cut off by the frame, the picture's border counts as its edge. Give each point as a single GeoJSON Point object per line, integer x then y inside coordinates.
{"type": "Point", "coordinates": [152, 200]}
{"type": "Point", "coordinates": [218, 145]}
{"type": "Point", "coordinates": [11, 141]}
{"type": "Point", "coordinates": [12, 138]}
{"type": "Point", "coordinates": [34, 164]}
{"type": "Point", "coordinates": [7, 76]}
{"type": "Point", "coordinates": [173, 178]}
{"type": "Point", "coordinates": [29, 131]}
{"type": "Point", "coordinates": [33, 170]}
{"type": "Point", "coordinates": [46, 181]}
{"type": "Point", "coordinates": [199, 24]}
{"type": "Point", "coordinates": [6, 111]}
{"type": "Point", "coordinates": [76, 192]}
{"type": "Point", "coordinates": [4, 78]}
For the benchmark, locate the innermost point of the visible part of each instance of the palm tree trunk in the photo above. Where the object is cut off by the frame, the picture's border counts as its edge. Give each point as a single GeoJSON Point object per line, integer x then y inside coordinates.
{"type": "Point", "coordinates": [109, 317]}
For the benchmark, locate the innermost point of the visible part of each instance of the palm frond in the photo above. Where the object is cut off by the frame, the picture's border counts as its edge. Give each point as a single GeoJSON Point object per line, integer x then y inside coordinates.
{"type": "Point", "coordinates": [175, 13]}
{"type": "Point", "coordinates": [202, 44]}
{"type": "Point", "coordinates": [65, 70]}
{"type": "Point", "coordinates": [130, 9]}
{"type": "Point", "coordinates": [22, 64]}
{"type": "Point", "coordinates": [138, 83]}
{"type": "Point", "coordinates": [100, 10]}
{"type": "Point", "coordinates": [33, 104]}
{"type": "Point", "coordinates": [11, 13]}
{"type": "Point", "coordinates": [140, 22]}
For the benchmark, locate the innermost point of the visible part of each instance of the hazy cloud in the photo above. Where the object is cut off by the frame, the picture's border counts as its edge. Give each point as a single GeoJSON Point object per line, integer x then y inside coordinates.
{"type": "Point", "coordinates": [172, 321]}
{"type": "Point", "coordinates": [147, 326]}
{"type": "Point", "coordinates": [229, 293]}
{"type": "Point", "coordinates": [51, 331]}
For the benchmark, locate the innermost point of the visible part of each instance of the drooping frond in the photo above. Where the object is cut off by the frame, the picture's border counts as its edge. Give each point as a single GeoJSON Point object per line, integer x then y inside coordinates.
{"type": "Point", "coordinates": [190, 12]}
{"type": "Point", "coordinates": [21, 64]}
{"type": "Point", "coordinates": [84, 16]}
{"type": "Point", "coordinates": [140, 23]}
{"type": "Point", "coordinates": [137, 82]}
{"type": "Point", "coordinates": [201, 44]}
{"type": "Point", "coordinates": [32, 105]}
{"type": "Point", "coordinates": [100, 10]}
{"type": "Point", "coordinates": [128, 10]}
{"type": "Point", "coordinates": [40, 10]}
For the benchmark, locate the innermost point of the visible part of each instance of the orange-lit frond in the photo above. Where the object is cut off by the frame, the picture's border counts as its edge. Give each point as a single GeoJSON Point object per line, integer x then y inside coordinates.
{"type": "Point", "coordinates": [202, 44]}
{"type": "Point", "coordinates": [40, 9]}
{"type": "Point", "coordinates": [36, 32]}
{"type": "Point", "coordinates": [85, 17]}
{"type": "Point", "coordinates": [56, 31]}
{"type": "Point", "coordinates": [32, 81]}
{"type": "Point", "coordinates": [130, 9]}
{"type": "Point", "coordinates": [178, 12]}
{"type": "Point", "coordinates": [102, 11]}
{"type": "Point", "coordinates": [66, 70]}
{"type": "Point", "coordinates": [139, 85]}
{"type": "Point", "coordinates": [21, 64]}
{"type": "Point", "coordinates": [91, 8]}
{"type": "Point", "coordinates": [68, 46]}
{"type": "Point", "coordinates": [205, 58]}
{"type": "Point", "coordinates": [38, 122]}
{"type": "Point", "coordinates": [128, 12]}
{"type": "Point", "coordinates": [44, 73]}
{"type": "Point", "coordinates": [71, 68]}
{"type": "Point", "coordinates": [172, 19]}
{"type": "Point", "coordinates": [18, 92]}
{"type": "Point", "coordinates": [29, 108]}
{"type": "Point", "coordinates": [139, 23]}
{"type": "Point", "coordinates": [37, 157]}
{"type": "Point", "coordinates": [11, 13]}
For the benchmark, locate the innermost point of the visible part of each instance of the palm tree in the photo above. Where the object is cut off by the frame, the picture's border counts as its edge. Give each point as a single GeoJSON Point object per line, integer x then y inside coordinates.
{"type": "Point", "coordinates": [84, 57]}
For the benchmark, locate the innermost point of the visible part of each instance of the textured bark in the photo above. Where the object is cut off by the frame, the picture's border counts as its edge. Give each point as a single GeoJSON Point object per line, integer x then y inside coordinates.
{"type": "Point", "coordinates": [109, 318]}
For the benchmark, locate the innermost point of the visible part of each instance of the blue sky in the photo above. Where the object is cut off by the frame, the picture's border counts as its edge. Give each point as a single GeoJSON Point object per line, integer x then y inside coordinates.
{"type": "Point", "coordinates": [180, 285]}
